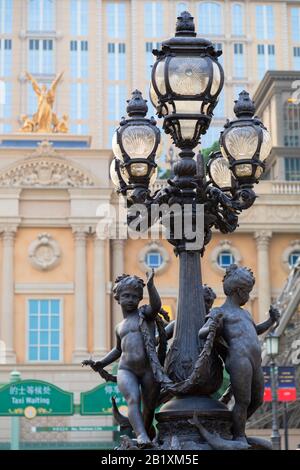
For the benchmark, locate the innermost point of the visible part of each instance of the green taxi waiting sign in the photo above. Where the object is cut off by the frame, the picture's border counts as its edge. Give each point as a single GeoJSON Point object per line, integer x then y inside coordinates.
{"type": "Point", "coordinates": [32, 398]}
{"type": "Point", "coordinates": [98, 400]}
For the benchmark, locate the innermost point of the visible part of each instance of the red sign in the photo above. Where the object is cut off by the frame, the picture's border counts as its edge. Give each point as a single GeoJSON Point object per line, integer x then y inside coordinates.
{"type": "Point", "coordinates": [287, 394]}
{"type": "Point", "coordinates": [267, 394]}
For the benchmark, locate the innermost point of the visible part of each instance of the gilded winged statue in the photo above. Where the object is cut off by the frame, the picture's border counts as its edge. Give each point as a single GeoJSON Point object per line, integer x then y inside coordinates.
{"type": "Point", "coordinates": [44, 120]}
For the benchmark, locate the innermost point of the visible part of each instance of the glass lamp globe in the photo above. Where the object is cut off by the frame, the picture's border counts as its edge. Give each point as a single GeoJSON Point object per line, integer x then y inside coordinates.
{"type": "Point", "coordinates": [245, 142]}
{"type": "Point", "coordinates": [219, 171]}
{"type": "Point", "coordinates": [186, 81]}
{"type": "Point", "coordinates": [136, 142]}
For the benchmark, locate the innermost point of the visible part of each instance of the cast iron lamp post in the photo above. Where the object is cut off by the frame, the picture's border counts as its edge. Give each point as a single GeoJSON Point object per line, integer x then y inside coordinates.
{"type": "Point", "coordinates": [272, 344]}
{"type": "Point", "coordinates": [186, 82]}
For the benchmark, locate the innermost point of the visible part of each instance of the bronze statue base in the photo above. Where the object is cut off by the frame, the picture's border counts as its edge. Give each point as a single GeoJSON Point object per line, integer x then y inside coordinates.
{"type": "Point", "coordinates": [175, 429]}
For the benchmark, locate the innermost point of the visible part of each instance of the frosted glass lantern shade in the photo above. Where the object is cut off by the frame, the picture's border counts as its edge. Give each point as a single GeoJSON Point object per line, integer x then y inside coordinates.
{"type": "Point", "coordinates": [220, 172]}
{"type": "Point", "coordinates": [241, 142]}
{"type": "Point", "coordinates": [138, 142]}
{"type": "Point", "coordinates": [188, 75]}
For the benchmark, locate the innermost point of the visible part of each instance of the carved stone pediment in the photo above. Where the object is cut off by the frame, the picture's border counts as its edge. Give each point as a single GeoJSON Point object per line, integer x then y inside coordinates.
{"type": "Point", "coordinates": [46, 171]}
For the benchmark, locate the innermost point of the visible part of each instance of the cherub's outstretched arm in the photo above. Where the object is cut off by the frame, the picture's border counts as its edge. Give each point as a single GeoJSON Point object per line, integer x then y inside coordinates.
{"type": "Point", "coordinates": [273, 318]}
{"type": "Point", "coordinates": [150, 311]}
{"type": "Point", "coordinates": [110, 357]}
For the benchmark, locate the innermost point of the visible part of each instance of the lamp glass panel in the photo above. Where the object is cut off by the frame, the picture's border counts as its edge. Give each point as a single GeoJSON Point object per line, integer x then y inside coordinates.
{"type": "Point", "coordinates": [187, 127]}
{"type": "Point", "coordinates": [114, 174]}
{"type": "Point", "coordinates": [266, 145]}
{"type": "Point", "coordinates": [139, 169]}
{"type": "Point", "coordinates": [258, 172]}
{"type": "Point", "coordinates": [153, 177]}
{"type": "Point", "coordinates": [153, 96]}
{"type": "Point", "coordinates": [188, 75]}
{"type": "Point", "coordinates": [244, 169]}
{"type": "Point", "coordinates": [160, 77]}
{"type": "Point", "coordinates": [216, 80]}
{"type": "Point", "coordinates": [138, 141]}
{"type": "Point", "coordinates": [188, 107]}
{"type": "Point", "coordinates": [116, 147]}
{"type": "Point", "coordinates": [220, 172]}
{"type": "Point", "coordinates": [242, 142]}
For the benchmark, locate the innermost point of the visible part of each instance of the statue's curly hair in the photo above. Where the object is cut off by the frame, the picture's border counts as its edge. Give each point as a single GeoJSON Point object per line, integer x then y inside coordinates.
{"type": "Point", "coordinates": [208, 294]}
{"type": "Point", "coordinates": [124, 281]}
{"type": "Point", "coordinates": [237, 277]}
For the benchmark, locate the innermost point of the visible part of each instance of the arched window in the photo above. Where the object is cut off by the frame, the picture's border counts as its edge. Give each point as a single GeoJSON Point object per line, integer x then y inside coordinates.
{"type": "Point", "coordinates": [237, 19]}
{"type": "Point", "coordinates": [210, 18]}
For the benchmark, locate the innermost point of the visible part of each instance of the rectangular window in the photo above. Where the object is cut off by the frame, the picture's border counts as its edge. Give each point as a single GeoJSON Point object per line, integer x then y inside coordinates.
{"type": "Point", "coordinates": [44, 330]}
{"type": "Point", "coordinates": [116, 20]}
{"type": "Point", "coordinates": [5, 100]}
{"type": "Point", "coordinates": [41, 15]}
{"type": "Point", "coordinates": [296, 58]}
{"type": "Point", "coordinates": [153, 14]}
{"type": "Point", "coordinates": [41, 56]}
{"type": "Point", "coordinates": [237, 19]}
{"type": "Point", "coordinates": [79, 101]}
{"type": "Point", "coordinates": [117, 95]}
{"type": "Point", "coordinates": [295, 20]}
{"type": "Point", "coordinates": [5, 57]}
{"type": "Point", "coordinates": [116, 61]}
{"type": "Point", "coordinates": [210, 18]}
{"type": "Point", "coordinates": [79, 17]}
{"type": "Point", "coordinates": [79, 59]}
{"type": "Point", "coordinates": [238, 61]}
{"type": "Point", "coordinates": [6, 16]}
{"type": "Point", "coordinates": [292, 168]}
{"type": "Point", "coordinates": [265, 22]}
{"type": "Point", "coordinates": [266, 59]}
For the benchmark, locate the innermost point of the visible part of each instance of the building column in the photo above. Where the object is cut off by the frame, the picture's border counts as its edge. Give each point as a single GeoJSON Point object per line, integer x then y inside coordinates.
{"type": "Point", "coordinates": [263, 238]}
{"type": "Point", "coordinates": [81, 308]}
{"type": "Point", "coordinates": [99, 300]}
{"type": "Point", "coordinates": [117, 270]}
{"type": "Point", "coordinates": [7, 296]}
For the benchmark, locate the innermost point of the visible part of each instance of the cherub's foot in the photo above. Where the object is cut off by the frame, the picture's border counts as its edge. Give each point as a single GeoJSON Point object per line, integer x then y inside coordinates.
{"type": "Point", "coordinates": [143, 441]}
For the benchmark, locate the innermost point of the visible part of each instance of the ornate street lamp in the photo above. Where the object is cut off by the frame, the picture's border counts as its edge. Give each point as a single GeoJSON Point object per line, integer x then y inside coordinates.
{"type": "Point", "coordinates": [272, 345]}
{"type": "Point", "coordinates": [245, 142]}
{"type": "Point", "coordinates": [135, 144]}
{"type": "Point", "coordinates": [186, 82]}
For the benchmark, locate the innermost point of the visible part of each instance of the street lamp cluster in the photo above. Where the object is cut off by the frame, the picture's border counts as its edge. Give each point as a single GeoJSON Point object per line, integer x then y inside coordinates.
{"type": "Point", "coordinates": [187, 79]}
